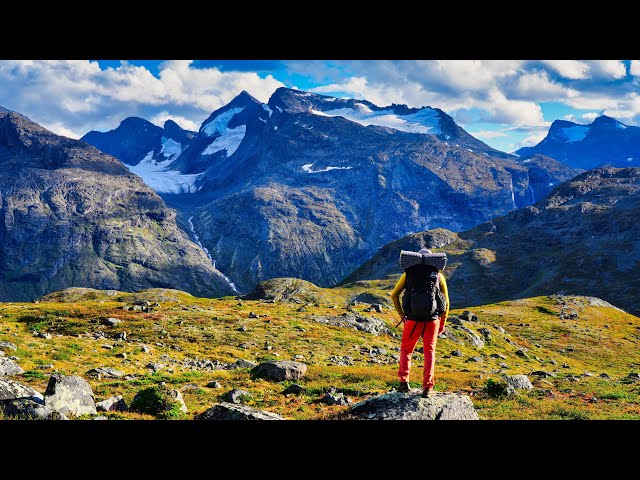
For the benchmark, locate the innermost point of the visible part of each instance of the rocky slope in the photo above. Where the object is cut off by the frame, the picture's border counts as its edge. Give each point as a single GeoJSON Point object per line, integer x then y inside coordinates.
{"type": "Point", "coordinates": [604, 142]}
{"type": "Point", "coordinates": [581, 239]}
{"type": "Point", "coordinates": [71, 215]}
{"type": "Point", "coordinates": [310, 186]}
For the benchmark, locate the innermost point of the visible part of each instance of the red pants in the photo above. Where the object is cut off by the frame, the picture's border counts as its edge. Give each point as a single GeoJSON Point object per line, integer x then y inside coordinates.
{"type": "Point", "coordinates": [410, 335]}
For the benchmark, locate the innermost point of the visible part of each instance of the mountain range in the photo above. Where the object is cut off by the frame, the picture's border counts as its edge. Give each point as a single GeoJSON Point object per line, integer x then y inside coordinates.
{"type": "Point", "coordinates": [604, 142]}
{"type": "Point", "coordinates": [310, 186]}
{"type": "Point", "coordinates": [71, 215]}
{"type": "Point", "coordinates": [582, 238]}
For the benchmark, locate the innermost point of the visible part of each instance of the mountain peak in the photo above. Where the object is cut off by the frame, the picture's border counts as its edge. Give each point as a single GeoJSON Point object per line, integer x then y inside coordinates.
{"type": "Point", "coordinates": [605, 121]}
{"type": "Point", "coordinates": [136, 123]}
{"type": "Point", "coordinates": [243, 98]}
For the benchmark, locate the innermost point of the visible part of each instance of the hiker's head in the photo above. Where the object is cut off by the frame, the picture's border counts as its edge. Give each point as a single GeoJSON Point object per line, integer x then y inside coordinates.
{"type": "Point", "coordinates": [424, 251]}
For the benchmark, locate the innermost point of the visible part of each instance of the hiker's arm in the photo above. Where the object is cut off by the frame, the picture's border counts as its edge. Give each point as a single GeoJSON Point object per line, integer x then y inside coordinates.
{"type": "Point", "coordinates": [445, 290]}
{"type": "Point", "coordinates": [395, 295]}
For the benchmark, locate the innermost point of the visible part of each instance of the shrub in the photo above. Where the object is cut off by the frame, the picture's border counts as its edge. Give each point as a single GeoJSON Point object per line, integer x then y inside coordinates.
{"type": "Point", "coordinates": [498, 389]}
{"type": "Point", "coordinates": [160, 401]}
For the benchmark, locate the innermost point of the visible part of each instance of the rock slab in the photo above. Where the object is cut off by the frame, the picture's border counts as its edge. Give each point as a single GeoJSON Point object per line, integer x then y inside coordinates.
{"type": "Point", "coordinates": [280, 371]}
{"type": "Point", "coordinates": [70, 394]}
{"type": "Point", "coordinates": [230, 411]}
{"type": "Point", "coordinates": [411, 406]}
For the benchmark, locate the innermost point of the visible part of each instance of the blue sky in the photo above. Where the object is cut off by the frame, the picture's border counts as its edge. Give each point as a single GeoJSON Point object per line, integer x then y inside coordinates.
{"type": "Point", "coordinates": [506, 103]}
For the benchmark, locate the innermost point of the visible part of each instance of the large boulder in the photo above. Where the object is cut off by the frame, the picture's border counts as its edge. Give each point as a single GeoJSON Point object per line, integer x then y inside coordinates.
{"type": "Point", "coordinates": [411, 406]}
{"type": "Point", "coordinates": [237, 396]}
{"type": "Point", "coordinates": [25, 409]}
{"type": "Point", "coordinates": [519, 382]}
{"type": "Point", "coordinates": [106, 372]}
{"type": "Point", "coordinates": [290, 290]}
{"type": "Point", "coordinates": [70, 395]}
{"type": "Point", "coordinates": [161, 401]}
{"type": "Point", "coordinates": [280, 371]}
{"type": "Point", "coordinates": [9, 367]}
{"type": "Point", "coordinates": [11, 390]}
{"type": "Point", "coordinates": [230, 411]}
{"type": "Point", "coordinates": [7, 346]}
{"type": "Point", "coordinates": [355, 321]}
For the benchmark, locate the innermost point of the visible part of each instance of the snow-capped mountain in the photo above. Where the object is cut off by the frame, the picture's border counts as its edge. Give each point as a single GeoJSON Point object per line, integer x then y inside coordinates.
{"type": "Point", "coordinates": [605, 141]}
{"type": "Point", "coordinates": [148, 150]}
{"type": "Point", "coordinates": [309, 185]}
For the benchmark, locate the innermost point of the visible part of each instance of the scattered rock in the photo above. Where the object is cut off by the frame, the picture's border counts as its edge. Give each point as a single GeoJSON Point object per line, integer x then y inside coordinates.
{"type": "Point", "coordinates": [411, 406]}
{"type": "Point", "coordinates": [113, 404]}
{"type": "Point", "coordinates": [161, 401]}
{"type": "Point", "coordinates": [456, 353]}
{"type": "Point", "coordinates": [229, 411]}
{"type": "Point", "coordinates": [112, 321]}
{"type": "Point", "coordinates": [376, 307]}
{"type": "Point", "coordinates": [11, 390]}
{"type": "Point", "coordinates": [355, 321]}
{"type": "Point", "coordinates": [121, 355]}
{"type": "Point", "coordinates": [146, 349]}
{"type": "Point", "coordinates": [553, 362]}
{"type": "Point", "coordinates": [474, 359]}
{"type": "Point", "coordinates": [46, 366]}
{"type": "Point", "coordinates": [486, 333]}
{"type": "Point", "coordinates": [454, 320]}
{"type": "Point", "coordinates": [498, 355]}
{"type": "Point", "coordinates": [253, 315]}
{"type": "Point", "coordinates": [542, 374]}
{"type": "Point", "coordinates": [108, 347]}
{"type": "Point", "coordinates": [243, 364]}
{"type": "Point", "coordinates": [564, 365]}
{"type": "Point", "coordinates": [605, 376]}
{"type": "Point", "coordinates": [341, 361]}
{"type": "Point", "coordinates": [469, 316]}
{"type": "Point", "coordinates": [9, 367]}
{"type": "Point", "coordinates": [572, 378]}
{"type": "Point", "coordinates": [122, 336]}
{"type": "Point", "coordinates": [155, 366]}
{"type": "Point", "coordinates": [335, 399]}
{"type": "Point", "coordinates": [99, 417]}
{"type": "Point", "coordinates": [588, 374]}
{"type": "Point", "coordinates": [8, 346]}
{"type": "Point", "coordinates": [45, 335]}
{"type": "Point", "coordinates": [633, 377]}
{"type": "Point", "coordinates": [281, 370]}
{"type": "Point", "coordinates": [238, 396]}
{"type": "Point", "coordinates": [242, 328]}
{"type": "Point", "coordinates": [70, 394]}
{"type": "Point", "coordinates": [299, 358]}
{"type": "Point", "coordinates": [213, 385]}
{"type": "Point", "coordinates": [106, 372]}
{"type": "Point", "coordinates": [293, 389]}
{"type": "Point", "coordinates": [504, 365]}
{"type": "Point", "coordinates": [500, 329]}
{"type": "Point", "coordinates": [521, 353]}
{"type": "Point", "coordinates": [499, 388]}
{"type": "Point", "coordinates": [472, 336]}
{"type": "Point", "coordinates": [537, 345]}
{"type": "Point", "coordinates": [519, 382]}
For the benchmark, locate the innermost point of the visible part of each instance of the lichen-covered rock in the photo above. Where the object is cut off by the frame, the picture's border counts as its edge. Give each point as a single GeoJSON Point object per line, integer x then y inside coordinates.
{"type": "Point", "coordinates": [12, 390]}
{"type": "Point", "coordinates": [70, 395]}
{"type": "Point", "coordinates": [25, 409]}
{"type": "Point", "coordinates": [355, 321]}
{"type": "Point", "coordinates": [105, 372]}
{"type": "Point", "coordinates": [238, 396]}
{"type": "Point", "coordinates": [230, 411]}
{"type": "Point", "coordinates": [280, 371]}
{"type": "Point", "coordinates": [411, 406]}
{"type": "Point", "coordinates": [519, 382]}
{"type": "Point", "coordinates": [9, 367]}
{"type": "Point", "coordinates": [113, 404]}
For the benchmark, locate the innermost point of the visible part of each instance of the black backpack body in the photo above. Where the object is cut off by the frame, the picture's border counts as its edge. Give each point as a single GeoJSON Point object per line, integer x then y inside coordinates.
{"type": "Point", "coordinates": [423, 301]}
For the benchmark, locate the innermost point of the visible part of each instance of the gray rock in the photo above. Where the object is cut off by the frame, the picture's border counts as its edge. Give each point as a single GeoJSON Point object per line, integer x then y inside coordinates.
{"type": "Point", "coordinates": [542, 374]}
{"type": "Point", "coordinates": [46, 366]}
{"type": "Point", "coordinates": [378, 351]}
{"type": "Point", "coordinates": [122, 336]}
{"type": "Point", "coordinates": [633, 377]}
{"type": "Point", "coordinates": [100, 417]}
{"type": "Point", "coordinates": [456, 353]}
{"type": "Point", "coordinates": [230, 411]}
{"type": "Point", "coordinates": [504, 365]}
{"type": "Point", "coordinates": [411, 406]}
{"type": "Point", "coordinates": [12, 390]}
{"type": "Point", "coordinates": [588, 374]}
{"type": "Point", "coordinates": [605, 376]}
{"type": "Point", "coordinates": [355, 321]}
{"type": "Point", "coordinates": [9, 367]}
{"type": "Point", "coordinates": [469, 316]}
{"type": "Point", "coordinates": [293, 389]}
{"type": "Point", "coordinates": [485, 332]}
{"type": "Point", "coordinates": [237, 396]}
{"type": "Point", "coordinates": [519, 382]}
{"type": "Point", "coordinates": [121, 355]}
{"type": "Point", "coordinates": [146, 349]}
{"type": "Point", "coordinates": [113, 404]}
{"type": "Point", "coordinates": [475, 359]}
{"type": "Point", "coordinates": [213, 385]}
{"type": "Point", "coordinates": [298, 358]}
{"type": "Point", "coordinates": [335, 399]}
{"type": "Point", "coordinates": [377, 307]}
{"type": "Point", "coordinates": [253, 315]}
{"type": "Point", "coordinates": [341, 361]}
{"type": "Point", "coordinates": [8, 346]}
{"type": "Point", "coordinates": [472, 336]}
{"type": "Point", "coordinates": [45, 335]}
{"type": "Point", "coordinates": [112, 321]}
{"type": "Point", "coordinates": [108, 347]}
{"type": "Point", "coordinates": [243, 364]}
{"type": "Point", "coordinates": [498, 355]}
{"type": "Point", "coordinates": [25, 409]}
{"type": "Point", "coordinates": [70, 394]}
{"type": "Point", "coordinates": [281, 370]}
{"type": "Point", "coordinates": [105, 372]}
{"type": "Point", "coordinates": [155, 366]}
{"type": "Point", "coordinates": [521, 353]}
{"type": "Point", "coordinates": [454, 320]}
{"type": "Point", "coordinates": [500, 329]}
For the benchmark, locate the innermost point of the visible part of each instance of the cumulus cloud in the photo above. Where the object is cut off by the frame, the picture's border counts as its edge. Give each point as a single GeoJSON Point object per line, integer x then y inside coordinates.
{"type": "Point", "coordinates": [571, 69]}
{"type": "Point", "coordinates": [608, 69]}
{"type": "Point", "coordinates": [488, 134]}
{"type": "Point", "coordinates": [634, 68]}
{"type": "Point", "coordinates": [73, 97]}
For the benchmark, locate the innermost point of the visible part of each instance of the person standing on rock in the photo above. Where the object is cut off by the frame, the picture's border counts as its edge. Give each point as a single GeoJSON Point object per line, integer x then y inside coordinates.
{"type": "Point", "coordinates": [424, 310]}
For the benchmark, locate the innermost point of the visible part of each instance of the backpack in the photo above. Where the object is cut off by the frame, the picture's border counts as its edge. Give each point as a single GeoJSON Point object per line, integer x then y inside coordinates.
{"type": "Point", "coordinates": [423, 301]}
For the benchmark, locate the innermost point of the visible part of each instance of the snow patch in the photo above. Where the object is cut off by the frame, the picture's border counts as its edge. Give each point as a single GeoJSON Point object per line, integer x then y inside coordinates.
{"type": "Point", "coordinates": [621, 126]}
{"type": "Point", "coordinates": [157, 176]}
{"type": "Point", "coordinates": [170, 148]}
{"type": "Point", "coordinates": [629, 159]}
{"type": "Point", "coordinates": [551, 184]}
{"type": "Point", "coordinates": [528, 160]}
{"type": "Point", "coordinates": [533, 195]}
{"type": "Point", "coordinates": [279, 109]}
{"type": "Point", "coordinates": [230, 140]}
{"type": "Point", "coordinates": [219, 123]}
{"type": "Point", "coordinates": [575, 133]}
{"type": "Point", "coordinates": [206, 250]}
{"type": "Point", "coordinates": [426, 120]}
{"type": "Point", "coordinates": [267, 109]}
{"type": "Point", "coordinates": [309, 168]}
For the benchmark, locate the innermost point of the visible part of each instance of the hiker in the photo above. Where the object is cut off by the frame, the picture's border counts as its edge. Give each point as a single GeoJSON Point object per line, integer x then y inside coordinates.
{"type": "Point", "coordinates": [424, 310]}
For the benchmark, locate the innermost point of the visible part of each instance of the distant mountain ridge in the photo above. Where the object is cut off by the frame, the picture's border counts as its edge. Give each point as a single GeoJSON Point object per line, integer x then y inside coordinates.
{"type": "Point", "coordinates": [604, 142]}
{"type": "Point", "coordinates": [310, 185]}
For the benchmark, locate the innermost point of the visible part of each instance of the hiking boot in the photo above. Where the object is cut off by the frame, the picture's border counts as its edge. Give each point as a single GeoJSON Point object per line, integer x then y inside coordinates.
{"type": "Point", "coordinates": [427, 392]}
{"type": "Point", "coordinates": [404, 387]}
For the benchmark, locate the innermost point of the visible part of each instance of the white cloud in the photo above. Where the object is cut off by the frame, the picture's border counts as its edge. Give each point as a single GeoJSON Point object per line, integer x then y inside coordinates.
{"type": "Point", "coordinates": [488, 134]}
{"type": "Point", "coordinates": [530, 140]}
{"type": "Point", "coordinates": [607, 69]}
{"type": "Point", "coordinates": [571, 69]}
{"type": "Point", "coordinates": [185, 123]}
{"type": "Point", "coordinates": [635, 68]}
{"type": "Point", "coordinates": [73, 97]}
{"type": "Point", "coordinates": [589, 117]}
{"type": "Point", "coordinates": [537, 86]}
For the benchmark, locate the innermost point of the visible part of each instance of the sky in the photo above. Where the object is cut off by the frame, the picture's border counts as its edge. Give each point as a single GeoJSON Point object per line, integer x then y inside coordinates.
{"type": "Point", "coordinates": [506, 103]}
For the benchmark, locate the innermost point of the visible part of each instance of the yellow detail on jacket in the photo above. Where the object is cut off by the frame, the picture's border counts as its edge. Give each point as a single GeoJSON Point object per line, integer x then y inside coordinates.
{"type": "Point", "coordinates": [395, 295]}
